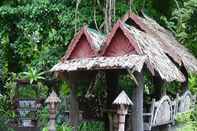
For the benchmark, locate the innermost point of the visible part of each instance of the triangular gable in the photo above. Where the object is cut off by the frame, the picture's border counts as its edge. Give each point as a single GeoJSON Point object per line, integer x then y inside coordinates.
{"type": "Point", "coordinates": [119, 42]}
{"type": "Point", "coordinates": [80, 46]}
{"type": "Point", "coordinates": [132, 19]}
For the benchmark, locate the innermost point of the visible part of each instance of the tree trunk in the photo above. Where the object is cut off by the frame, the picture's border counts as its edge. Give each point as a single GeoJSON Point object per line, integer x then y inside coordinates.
{"type": "Point", "coordinates": [109, 11]}
{"type": "Point", "coordinates": [137, 114]}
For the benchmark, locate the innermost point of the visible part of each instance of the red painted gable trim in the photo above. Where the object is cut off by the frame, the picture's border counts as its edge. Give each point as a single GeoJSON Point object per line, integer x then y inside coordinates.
{"type": "Point", "coordinates": [75, 40]}
{"type": "Point", "coordinates": [119, 25]}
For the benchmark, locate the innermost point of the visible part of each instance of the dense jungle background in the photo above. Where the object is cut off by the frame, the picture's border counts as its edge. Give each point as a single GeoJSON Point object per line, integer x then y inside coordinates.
{"type": "Point", "coordinates": [34, 35]}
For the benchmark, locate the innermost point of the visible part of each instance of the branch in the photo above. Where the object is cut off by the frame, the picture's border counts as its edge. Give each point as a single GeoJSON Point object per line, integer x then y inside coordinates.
{"type": "Point", "coordinates": [76, 12]}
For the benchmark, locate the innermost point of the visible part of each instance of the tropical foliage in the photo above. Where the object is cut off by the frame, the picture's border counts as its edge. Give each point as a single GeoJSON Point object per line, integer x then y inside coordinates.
{"type": "Point", "coordinates": [34, 34]}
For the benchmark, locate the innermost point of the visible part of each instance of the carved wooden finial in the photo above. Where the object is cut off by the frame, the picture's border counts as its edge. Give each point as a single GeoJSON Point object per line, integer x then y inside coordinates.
{"type": "Point", "coordinates": [123, 99]}
{"type": "Point", "coordinates": [53, 98]}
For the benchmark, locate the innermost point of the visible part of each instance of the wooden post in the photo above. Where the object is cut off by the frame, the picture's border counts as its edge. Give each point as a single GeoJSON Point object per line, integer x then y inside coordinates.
{"type": "Point", "coordinates": [74, 107]}
{"type": "Point", "coordinates": [123, 101]}
{"type": "Point", "coordinates": [112, 87]}
{"type": "Point", "coordinates": [158, 84]}
{"type": "Point", "coordinates": [122, 115]}
{"type": "Point", "coordinates": [185, 84]}
{"type": "Point", "coordinates": [112, 92]}
{"type": "Point", "coordinates": [163, 88]}
{"type": "Point", "coordinates": [137, 114]}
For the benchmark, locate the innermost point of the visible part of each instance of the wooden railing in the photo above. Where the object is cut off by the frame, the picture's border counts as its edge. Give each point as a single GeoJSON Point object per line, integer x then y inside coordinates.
{"type": "Point", "coordinates": [164, 111]}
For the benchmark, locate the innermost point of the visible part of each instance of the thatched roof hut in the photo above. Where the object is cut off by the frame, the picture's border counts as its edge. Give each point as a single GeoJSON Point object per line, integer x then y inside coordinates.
{"type": "Point", "coordinates": [125, 48]}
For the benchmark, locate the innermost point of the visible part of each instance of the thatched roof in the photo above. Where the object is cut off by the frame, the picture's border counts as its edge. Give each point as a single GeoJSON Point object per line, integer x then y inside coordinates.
{"type": "Point", "coordinates": [53, 98]}
{"type": "Point", "coordinates": [134, 62]}
{"type": "Point", "coordinates": [123, 99]}
{"type": "Point", "coordinates": [95, 39]}
{"type": "Point", "coordinates": [168, 42]}
{"type": "Point", "coordinates": [157, 59]}
{"type": "Point", "coordinates": [145, 44]}
{"type": "Point", "coordinates": [148, 50]}
{"type": "Point", "coordinates": [150, 42]}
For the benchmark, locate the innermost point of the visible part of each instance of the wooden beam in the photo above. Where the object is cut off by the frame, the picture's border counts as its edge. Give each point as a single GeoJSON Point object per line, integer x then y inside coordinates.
{"type": "Point", "coordinates": [137, 97]}
{"type": "Point", "coordinates": [74, 107]}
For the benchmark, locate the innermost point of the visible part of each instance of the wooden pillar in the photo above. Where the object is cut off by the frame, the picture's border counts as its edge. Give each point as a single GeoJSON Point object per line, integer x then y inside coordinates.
{"type": "Point", "coordinates": [159, 89]}
{"type": "Point", "coordinates": [163, 89]}
{"type": "Point", "coordinates": [112, 87]}
{"type": "Point", "coordinates": [185, 84]}
{"type": "Point", "coordinates": [137, 97]}
{"type": "Point", "coordinates": [112, 92]}
{"type": "Point", "coordinates": [74, 107]}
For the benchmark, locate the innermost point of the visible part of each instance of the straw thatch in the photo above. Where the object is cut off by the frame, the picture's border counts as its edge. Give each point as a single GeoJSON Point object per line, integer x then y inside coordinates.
{"type": "Point", "coordinates": [157, 59]}
{"type": "Point", "coordinates": [168, 42]}
{"type": "Point", "coordinates": [173, 47]}
{"type": "Point", "coordinates": [123, 99]}
{"type": "Point", "coordinates": [146, 44]}
{"type": "Point", "coordinates": [97, 39]}
{"type": "Point", "coordinates": [134, 62]}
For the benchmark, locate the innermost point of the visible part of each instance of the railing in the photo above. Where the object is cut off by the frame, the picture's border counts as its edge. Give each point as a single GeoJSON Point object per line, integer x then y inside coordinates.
{"type": "Point", "coordinates": [164, 111]}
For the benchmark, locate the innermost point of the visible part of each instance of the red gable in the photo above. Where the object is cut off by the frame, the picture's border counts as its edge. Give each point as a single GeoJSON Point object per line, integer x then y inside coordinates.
{"type": "Point", "coordinates": [80, 46]}
{"type": "Point", "coordinates": [119, 42]}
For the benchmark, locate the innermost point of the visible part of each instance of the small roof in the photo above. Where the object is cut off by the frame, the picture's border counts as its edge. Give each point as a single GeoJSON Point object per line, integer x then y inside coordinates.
{"type": "Point", "coordinates": [168, 42]}
{"type": "Point", "coordinates": [94, 38]}
{"type": "Point", "coordinates": [53, 98]}
{"type": "Point", "coordinates": [123, 99]}
{"type": "Point", "coordinates": [134, 62]}
{"type": "Point", "coordinates": [146, 44]}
